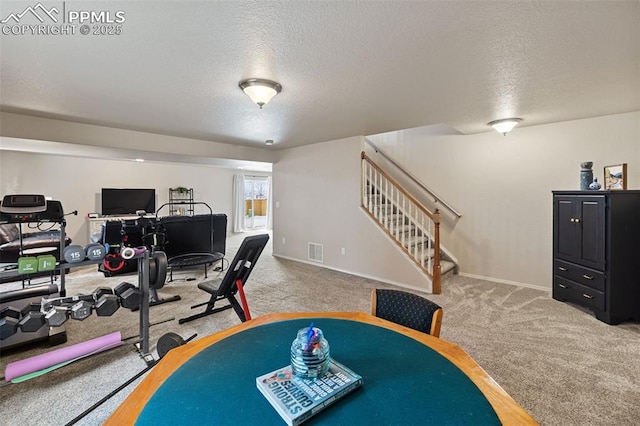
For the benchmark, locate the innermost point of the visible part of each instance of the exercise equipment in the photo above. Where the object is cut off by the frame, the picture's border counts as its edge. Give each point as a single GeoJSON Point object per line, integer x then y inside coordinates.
{"type": "Point", "coordinates": [55, 316]}
{"type": "Point", "coordinates": [106, 303]}
{"type": "Point", "coordinates": [31, 323]}
{"type": "Point", "coordinates": [167, 342]}
{"type": "Point", "coordinates": [9, 318]}
{"type": "Point", "coordinates": [46, 262]}
{"type": "Point", "coordinates": [129, 295]}
{"type": "Point", "coordinates": [101, 291]}
{"type": "Point", "coordinates": [236, 278]}
{"type": "Point", "coordinates": [58, 356]}
{"type": "Point", "coordinates": [27, 265]}
{"type": "Point", "coordinates": [113, 262]}
{"type": "Point", "coordinates": [73, 253]}
{"type": "Point", "coordinates": [158, 266]}
{"type": "Point", "coordinates": [116, 236]}
{"type": "Point", "coordinates": [130, 252]}
{"type": "Point", "coordinates": [23, 203]}
{"type": "Point", "coordinates": [95, 251]}
{"type": "Point", "coordinates": [32, 318]}
{"type": "Point", "coordinates": [81, 310]}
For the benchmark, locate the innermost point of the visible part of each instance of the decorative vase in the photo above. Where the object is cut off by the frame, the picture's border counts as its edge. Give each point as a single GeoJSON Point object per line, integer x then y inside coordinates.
{"type": "Point", "coordinates": [310, 356]}
{"type": "Point", "coordinates": [586, 175]}
{"type": "Point", "coordinates": [595, 185]}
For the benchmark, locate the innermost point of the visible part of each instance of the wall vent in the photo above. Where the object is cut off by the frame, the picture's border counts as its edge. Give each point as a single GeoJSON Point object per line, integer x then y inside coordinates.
{"type": "Point", "coordinates": [316, 252]}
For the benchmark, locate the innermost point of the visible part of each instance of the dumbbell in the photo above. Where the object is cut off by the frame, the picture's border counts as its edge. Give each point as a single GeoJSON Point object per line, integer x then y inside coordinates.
{"type": "Point", "coordinates": [73, 254]}
{"type": "Point", "coordinates": [129, 295]}
{"type": "Point", "coordinates": [32, 318]}
{"type": "Point", "coordinates": [56, 316]}
{"type": "Point", "coordinates": [9, 318]}
{"type": "Point", "coordinates": [81, 310]}
{"type": "Point", "coordinates": [106, 303]}
{"type": "Point", "coordinates": [95, 251]}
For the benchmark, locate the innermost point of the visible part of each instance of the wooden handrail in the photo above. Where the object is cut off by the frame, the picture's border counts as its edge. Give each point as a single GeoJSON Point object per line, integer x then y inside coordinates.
{"type": "Point", "coordinates": [414, 179]}
{"type": "Point", "coordinates": [435, 274]}
{"type": "Point", "coordinates": [435, 218]}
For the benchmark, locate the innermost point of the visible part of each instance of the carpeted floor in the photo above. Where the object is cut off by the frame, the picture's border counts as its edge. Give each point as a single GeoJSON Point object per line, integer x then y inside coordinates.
{"type": "Point", "coordinates": [560, 363]}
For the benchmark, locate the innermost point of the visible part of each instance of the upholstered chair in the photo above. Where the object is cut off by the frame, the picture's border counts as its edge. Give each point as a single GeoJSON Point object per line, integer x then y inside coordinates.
{"type": "Point", "coordinates": [407, 309]}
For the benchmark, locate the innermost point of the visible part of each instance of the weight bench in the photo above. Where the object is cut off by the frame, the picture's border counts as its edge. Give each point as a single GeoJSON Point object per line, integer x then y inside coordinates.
{"type": "Point", "coordinates": [233, 281]}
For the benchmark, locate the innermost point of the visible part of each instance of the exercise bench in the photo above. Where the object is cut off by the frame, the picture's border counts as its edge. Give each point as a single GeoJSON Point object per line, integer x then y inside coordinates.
{"type": "Point", "coordinates": [233, 281]}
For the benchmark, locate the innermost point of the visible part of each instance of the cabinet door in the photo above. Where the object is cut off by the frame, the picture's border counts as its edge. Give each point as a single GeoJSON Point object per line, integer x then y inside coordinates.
{"type": "Point", "coordinates": [591, 236]}
{"type": "Point", "coordinates": [579, 229]}
{"type": "Point", "coordinates": [565, 237]}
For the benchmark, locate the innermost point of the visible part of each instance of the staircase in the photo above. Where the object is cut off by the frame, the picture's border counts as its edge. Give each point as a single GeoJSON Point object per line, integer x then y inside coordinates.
{"type": "Point", "coordinates": [406, 221]}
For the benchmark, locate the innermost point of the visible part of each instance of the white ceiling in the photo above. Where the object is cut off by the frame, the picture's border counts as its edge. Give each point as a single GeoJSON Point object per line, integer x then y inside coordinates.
{"type": "Point", "coordinates": [347, 68]}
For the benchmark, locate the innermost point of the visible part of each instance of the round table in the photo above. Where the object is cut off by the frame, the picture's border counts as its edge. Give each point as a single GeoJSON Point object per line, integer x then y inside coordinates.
{"type": "Point", "coordinates": [405, 380]}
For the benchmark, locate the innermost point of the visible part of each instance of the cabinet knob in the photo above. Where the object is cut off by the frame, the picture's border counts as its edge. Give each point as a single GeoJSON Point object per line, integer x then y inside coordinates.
{"type": "Point", "coordinates": [588, 296]}
{"type": "Point", "coordinates": [587, 277]}
{"type": "Point", "coordinates": [562, 268]}
{"type": "Point", "coordinates": [562, 285]}
{"type": "Point", "coordinates": [577, 220]}
{"type": "Point", "coordinates": [572, 220]}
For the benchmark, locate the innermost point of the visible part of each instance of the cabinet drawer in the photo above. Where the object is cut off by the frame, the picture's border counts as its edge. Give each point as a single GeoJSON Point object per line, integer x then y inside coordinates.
{"type": "Point", "coordinates": [580, 274]}
{"type": "Point", "coordinates": [564, 289]}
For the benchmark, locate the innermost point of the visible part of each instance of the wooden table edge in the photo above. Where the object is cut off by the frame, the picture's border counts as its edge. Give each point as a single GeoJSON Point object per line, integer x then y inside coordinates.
{"type": "Point", "coordinates": [508, 410]}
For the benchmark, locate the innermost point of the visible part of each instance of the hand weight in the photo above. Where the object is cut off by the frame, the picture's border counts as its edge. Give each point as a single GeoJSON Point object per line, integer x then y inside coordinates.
{"type": "Point", "coordinates": [129, 295]}
{"type": "Point", "coordinates": [74, 254]}
{"type": "Point", "coordinates": [95, 251]}
{"type": "Point", "coordinates": [32, 319]}
{"type": "Point", "coordinates": [9, 318]}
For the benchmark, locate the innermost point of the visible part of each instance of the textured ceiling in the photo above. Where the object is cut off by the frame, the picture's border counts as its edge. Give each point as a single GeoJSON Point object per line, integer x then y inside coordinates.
{"type": "Point", "coordinates": [347, 68]}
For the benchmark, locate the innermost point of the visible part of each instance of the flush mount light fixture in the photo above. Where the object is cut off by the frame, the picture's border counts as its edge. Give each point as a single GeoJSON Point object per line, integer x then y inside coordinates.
{"type": "Point", "coordinates": [269, 142]}
{"type": "Point", "coordinates": [259, 90]}
{"type": "Point", "coordinates": [505, 125]}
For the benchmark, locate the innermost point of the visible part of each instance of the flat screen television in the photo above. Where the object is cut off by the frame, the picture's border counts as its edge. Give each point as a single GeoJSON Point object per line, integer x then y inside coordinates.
{"type": "Point", "coordinates": [120, 201]}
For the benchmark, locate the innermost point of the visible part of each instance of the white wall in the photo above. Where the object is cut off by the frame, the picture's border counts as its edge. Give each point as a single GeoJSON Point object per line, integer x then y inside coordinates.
{"type": "Point", "coordinates": [502, 186]}
{"type": "Point", "coordinates": [77, 182]}
{"type": "Point", "coordinates": [317, 189]}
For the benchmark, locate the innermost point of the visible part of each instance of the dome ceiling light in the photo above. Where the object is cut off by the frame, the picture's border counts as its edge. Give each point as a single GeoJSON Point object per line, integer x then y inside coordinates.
{"type": "Point", "coordinates": [259, 90]}
{"type": "Point", "coordinates": [504, 125]}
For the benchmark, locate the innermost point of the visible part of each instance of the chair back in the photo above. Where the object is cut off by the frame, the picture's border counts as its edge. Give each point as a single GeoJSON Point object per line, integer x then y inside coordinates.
{"type": "Point", "coordinates": [407, 309]}
{"type": "Point", "coordinates": [243, 263]}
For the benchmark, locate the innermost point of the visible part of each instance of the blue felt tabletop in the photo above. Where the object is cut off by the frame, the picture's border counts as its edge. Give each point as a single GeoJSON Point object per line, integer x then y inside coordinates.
{"type": "Point", "coordinates": [404, 381]}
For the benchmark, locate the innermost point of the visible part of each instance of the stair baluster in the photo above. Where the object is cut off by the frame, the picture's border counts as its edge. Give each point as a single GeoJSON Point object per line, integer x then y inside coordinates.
{"type": "Point", "coordinates": [411, 225]}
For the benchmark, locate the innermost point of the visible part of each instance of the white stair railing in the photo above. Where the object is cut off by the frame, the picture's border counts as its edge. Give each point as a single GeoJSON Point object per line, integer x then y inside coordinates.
{"type": "Point", "coordinates": [410, 224]}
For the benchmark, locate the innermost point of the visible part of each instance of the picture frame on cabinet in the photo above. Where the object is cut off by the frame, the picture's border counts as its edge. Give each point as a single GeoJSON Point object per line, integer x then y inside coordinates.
{"type": "Point", "coordinates": [615, 177]}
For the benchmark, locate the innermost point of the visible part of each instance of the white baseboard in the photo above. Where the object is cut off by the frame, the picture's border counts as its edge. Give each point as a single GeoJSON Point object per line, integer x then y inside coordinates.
{"type": "Point", "coordinates": [501, 281]}
{"type": "Point", "coordinates": [369, 277]}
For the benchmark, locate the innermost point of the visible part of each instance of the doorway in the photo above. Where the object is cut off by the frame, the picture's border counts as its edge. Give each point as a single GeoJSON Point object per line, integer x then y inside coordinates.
{"type": "Point", "coordinates": [256, 202]}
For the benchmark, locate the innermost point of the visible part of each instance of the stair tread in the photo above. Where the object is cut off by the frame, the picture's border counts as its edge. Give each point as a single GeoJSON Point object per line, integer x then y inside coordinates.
{"type": "Point", "coordinates": [404, 233]}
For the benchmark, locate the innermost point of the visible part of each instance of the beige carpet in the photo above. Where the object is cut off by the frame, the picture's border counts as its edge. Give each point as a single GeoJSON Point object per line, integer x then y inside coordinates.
{"type": "Point", "coordinates": [564, 366]}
